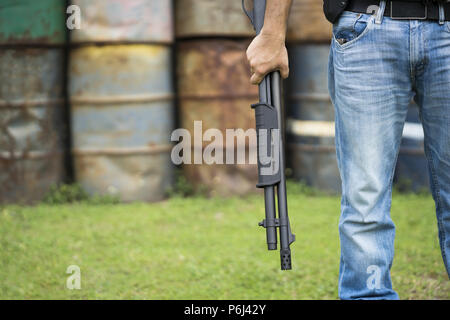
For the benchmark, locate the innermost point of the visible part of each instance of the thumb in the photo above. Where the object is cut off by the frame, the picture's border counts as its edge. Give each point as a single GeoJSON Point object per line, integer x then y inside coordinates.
{"type": "Point", "coordinates": [284, 71]}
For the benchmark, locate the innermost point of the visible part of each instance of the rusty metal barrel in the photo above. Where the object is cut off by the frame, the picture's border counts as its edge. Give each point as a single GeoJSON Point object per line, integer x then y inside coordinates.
{"type": "Point", "coordinates": [214, 88]}
{"type": "Point", "coordinates": [307, 23]}
{"type": "Point", "coordinates": [211, 18]}
{"type": "Point", "coordinates": [310, 124]}
{"type": "Point", "coordinates": [32, 101]}
{"type": "Point", "coordinates": [121, 95]}
{"type": "Point", "coordinates": [218, 18]}
{"type": "Point", "coordinates": [412, 168]}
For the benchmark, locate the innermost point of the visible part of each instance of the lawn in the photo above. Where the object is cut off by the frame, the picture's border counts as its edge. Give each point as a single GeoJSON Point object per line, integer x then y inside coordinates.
{"type": "Point", "coordinates": [198, 248]}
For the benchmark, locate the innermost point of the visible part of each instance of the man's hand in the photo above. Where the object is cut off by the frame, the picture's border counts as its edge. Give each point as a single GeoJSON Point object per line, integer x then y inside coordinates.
{"type": "Point", "coordinates": [265, 54]}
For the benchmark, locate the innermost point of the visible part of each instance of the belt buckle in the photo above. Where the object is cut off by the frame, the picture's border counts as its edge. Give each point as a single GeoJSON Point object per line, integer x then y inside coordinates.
{"type": "Point", "coordinates": [408, 18]}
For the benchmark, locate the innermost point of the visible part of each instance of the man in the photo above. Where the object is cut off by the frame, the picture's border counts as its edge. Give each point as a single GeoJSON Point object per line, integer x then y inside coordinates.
{"type": "Point", "coordinates": [382, 55]}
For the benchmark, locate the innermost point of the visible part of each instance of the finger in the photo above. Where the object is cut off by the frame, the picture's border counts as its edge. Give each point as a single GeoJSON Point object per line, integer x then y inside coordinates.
{"type": "Point", "coordinates": [256, 78]}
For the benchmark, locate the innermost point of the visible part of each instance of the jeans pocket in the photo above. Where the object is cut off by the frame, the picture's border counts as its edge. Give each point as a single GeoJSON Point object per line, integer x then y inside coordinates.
{"type": "Point", "coordinates": [350, 28]}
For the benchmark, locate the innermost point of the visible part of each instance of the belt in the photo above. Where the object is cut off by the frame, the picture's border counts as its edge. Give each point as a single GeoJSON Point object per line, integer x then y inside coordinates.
{"type": "Point", "coordinates": [401, 9]}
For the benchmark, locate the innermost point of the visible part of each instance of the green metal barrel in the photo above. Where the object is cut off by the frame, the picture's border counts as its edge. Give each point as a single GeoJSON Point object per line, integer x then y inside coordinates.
{"type": "Point", "coordinates": [40, 22]}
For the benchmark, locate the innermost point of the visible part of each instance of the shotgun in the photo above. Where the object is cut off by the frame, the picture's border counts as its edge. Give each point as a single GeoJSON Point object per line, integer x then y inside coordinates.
{"type": "Point", "coordinates": [271, 152]}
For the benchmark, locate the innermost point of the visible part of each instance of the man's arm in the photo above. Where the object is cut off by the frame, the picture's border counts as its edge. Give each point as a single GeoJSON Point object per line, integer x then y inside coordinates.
{"type": "Point", "coordinates": [267, 52]}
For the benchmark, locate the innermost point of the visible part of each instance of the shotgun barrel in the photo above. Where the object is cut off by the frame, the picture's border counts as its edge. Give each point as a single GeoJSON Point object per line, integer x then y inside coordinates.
{"type": "Point", "coordinates": [271, 152]}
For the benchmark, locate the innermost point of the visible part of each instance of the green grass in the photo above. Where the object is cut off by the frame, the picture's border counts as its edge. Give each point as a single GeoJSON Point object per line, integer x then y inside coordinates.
{"type": "Point", "coordinates": [197, 248]}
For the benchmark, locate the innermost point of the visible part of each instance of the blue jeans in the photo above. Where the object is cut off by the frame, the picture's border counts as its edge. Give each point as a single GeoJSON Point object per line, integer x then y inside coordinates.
{"type": "Point", "coordinates": [374, 72]}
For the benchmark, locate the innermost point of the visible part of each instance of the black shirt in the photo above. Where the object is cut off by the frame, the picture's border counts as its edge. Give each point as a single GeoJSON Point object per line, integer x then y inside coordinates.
{"type": "Point", "coordinates": [333, 8]}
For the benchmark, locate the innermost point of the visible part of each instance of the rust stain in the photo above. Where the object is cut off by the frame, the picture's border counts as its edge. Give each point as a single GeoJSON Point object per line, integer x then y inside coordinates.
{"type": "Point", "coordinates": [214, 67]}
{"type": "Point", "coordinates": [214, 86]}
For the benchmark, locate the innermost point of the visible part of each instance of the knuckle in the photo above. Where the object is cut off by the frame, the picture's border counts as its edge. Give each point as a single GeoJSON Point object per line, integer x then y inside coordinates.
{"type": "Point", "coordinates": [260, 70]}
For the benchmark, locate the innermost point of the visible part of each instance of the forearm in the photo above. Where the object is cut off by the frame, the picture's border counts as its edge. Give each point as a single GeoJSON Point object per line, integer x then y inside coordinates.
{"type": "Point", "coordinates": [275, 21]}
{"type": "Point", "coordinates": [268, 52]}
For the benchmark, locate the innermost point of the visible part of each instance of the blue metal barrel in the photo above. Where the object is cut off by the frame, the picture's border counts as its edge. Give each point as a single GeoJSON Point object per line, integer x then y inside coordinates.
{"type": "Point", "coordinates": [412, 168]}
{"type": "Point", "coordinates": [310, 124]}
{"type": "Point", "coordinates": [121, 96]}
{"type": "Point", "coordinates": [122, 117]}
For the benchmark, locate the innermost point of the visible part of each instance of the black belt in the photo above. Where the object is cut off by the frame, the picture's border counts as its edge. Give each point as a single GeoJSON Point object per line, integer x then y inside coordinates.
{"type": "Point", "coordinates": [400, 9]}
